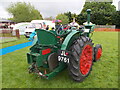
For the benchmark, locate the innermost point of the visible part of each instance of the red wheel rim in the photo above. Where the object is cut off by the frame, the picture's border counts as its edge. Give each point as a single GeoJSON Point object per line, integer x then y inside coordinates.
{"type": "Point", "coordinates": [86, 59]}
{"type": "Point", "coordinates": [99, 53]}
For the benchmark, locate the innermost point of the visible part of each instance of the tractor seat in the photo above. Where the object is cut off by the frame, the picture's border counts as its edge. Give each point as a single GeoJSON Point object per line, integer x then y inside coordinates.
{"type": "Point", "coordinates": [46, 38]}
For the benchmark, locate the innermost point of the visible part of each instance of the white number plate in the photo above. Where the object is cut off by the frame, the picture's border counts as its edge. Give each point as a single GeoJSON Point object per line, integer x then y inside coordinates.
{"type": "Point", "coordinates": [63, 57]}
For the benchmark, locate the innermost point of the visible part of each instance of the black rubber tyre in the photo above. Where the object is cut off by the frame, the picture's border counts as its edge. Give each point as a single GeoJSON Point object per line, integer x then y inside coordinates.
{"type": "Point", "coordinates": [96, 48]}
{"type": "Point", "coordinates": [74, 65]}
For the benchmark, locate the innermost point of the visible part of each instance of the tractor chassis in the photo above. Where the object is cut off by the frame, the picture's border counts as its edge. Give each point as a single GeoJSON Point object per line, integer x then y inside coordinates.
{"type": "Point", "coordinates": [34, 69]}
{"type": "Point", "coordinates": [54, 51]}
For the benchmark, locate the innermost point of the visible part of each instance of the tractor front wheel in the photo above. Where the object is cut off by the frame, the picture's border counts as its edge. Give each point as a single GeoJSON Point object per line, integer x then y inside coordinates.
{"type": "Point", "coordinates": [97, 52]}
{"type": "Point", "coordinates": [81, 58]}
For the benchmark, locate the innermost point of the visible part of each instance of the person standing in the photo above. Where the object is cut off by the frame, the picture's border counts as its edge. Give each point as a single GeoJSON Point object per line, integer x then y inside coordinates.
{"type": "Point", "coordinates": [47, 28]}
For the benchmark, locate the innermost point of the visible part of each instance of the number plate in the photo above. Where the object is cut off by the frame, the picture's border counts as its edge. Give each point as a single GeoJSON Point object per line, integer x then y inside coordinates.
{"type": "Point", "coordinates": [63, 56]}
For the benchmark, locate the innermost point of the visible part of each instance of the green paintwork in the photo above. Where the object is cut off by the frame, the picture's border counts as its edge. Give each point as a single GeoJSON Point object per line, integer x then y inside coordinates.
{"type": "Point", "coordinates": [69, 39]}
{"type": "Point", "coordinates": [89, 26]}
{"type": "Point", "coordinates": [88, 15]}
{"type": "Point", "coordinates": [57, 70]}
{"type": "Point", "coordinates": [48, 39]}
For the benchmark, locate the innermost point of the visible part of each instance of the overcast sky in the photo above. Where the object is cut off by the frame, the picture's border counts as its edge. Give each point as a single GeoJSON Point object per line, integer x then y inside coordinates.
{"type": "Point", "coordinates": [48, 7]}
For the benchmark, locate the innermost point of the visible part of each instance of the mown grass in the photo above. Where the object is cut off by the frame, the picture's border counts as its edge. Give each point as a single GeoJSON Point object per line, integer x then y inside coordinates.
{"type": "Point", "coordinates": [104, 73]}
{"type": "Point", "coordinates": [15, 42]}
{"type": "Point", "coordinates": [8, 40]}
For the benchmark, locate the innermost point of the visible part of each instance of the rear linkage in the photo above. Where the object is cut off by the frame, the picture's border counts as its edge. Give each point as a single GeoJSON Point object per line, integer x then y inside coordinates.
{"type": "Point", "coordinates": [33, 69]}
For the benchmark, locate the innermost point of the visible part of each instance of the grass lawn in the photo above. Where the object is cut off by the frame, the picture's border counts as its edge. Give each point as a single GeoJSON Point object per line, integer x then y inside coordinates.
{"type": "Point", "coordinates": [15, 42]}
{"type": "Point", "coordinates": [104, 73]}
{"type": "Point", "coordinates": [8, 39]}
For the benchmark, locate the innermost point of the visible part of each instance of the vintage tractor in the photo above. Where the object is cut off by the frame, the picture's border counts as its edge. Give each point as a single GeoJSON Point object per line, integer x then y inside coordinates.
{"type": "Point", "coordinates": [56, 50]}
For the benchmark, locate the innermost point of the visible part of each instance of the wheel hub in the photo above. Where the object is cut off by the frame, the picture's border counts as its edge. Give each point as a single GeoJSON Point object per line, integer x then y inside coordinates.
{"type": "Point", "coordinates": [99, 53]}
{"type": "Point", "coordinates": [86, 59]}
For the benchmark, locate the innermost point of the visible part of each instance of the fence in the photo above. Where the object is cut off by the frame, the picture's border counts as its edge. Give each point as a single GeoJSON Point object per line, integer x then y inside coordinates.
{"type": "Point", "coordinates": [7, 35]}
{"type": "Point", "coordinates": [106, 28]}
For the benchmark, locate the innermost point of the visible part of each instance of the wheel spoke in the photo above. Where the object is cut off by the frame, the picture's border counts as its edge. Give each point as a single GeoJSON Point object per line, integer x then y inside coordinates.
{"type": "Point", "coordinates": [86, 59]}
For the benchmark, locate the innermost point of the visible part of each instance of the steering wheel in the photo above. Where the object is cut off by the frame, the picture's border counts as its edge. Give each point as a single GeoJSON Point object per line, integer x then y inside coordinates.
{"type": "Point", "coordinates": [60, 32]}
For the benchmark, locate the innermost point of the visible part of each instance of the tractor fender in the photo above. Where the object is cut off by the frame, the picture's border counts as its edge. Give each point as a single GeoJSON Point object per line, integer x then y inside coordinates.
{"type": "Point", "coordinates": [69, 39]}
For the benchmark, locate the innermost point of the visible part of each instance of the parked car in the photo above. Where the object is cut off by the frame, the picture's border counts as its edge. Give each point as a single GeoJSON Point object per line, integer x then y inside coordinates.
{"type": "Point", "coordinates": [21, 26]}
{"type": "Point", "coordinates": [30, 28]}
{"type": "Point", "coordinates": [37, 24]}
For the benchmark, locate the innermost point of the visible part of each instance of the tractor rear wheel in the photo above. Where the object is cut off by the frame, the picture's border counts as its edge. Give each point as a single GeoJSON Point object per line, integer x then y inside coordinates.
{"type": "Point", "coordinates": [81, 58]}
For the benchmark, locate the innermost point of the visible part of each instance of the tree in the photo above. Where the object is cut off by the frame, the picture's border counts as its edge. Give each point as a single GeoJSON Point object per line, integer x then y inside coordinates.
{"type": "Point", "coordinates": [71, 16]}
{"type": "Point", "coordinates": [99, 7]}
{"type": "Point", "coordinates": [101, 12]}
{"type": "Point", "coordinates": [23, 12]}
{"type": "Point", "coordinates": [82, 18]}
{"type": "Point", "coordinates": [63, 18]}
{"type": "Point", "coordinates": [116, 19]}
{"type": "Point", "coordinates": [49, 18]}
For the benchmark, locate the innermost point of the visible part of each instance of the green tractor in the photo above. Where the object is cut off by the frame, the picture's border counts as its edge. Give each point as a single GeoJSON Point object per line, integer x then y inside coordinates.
{"type": "Point", "coordinates": [56, 50]}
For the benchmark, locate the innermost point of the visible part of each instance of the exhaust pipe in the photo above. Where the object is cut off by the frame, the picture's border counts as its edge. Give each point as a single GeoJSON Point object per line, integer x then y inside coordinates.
{"type": "Point", "coordinates": [88, 16]}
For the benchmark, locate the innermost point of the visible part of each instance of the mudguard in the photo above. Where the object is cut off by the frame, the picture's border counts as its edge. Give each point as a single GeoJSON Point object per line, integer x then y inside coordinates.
{"type": "Point", "coordinates": [69, 39]}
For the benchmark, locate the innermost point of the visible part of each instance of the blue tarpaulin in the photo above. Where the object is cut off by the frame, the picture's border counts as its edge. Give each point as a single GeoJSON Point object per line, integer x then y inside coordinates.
{"type": "Point", "coordinates": [6, 50]}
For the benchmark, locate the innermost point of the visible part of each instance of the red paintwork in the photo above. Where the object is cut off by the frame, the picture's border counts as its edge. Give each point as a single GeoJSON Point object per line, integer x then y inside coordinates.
{"type": "Point", "coordinates": [58, 36]}
{"type": "Point", "coordinates": [46, 51]}
{"type": "Point", "coordinates": [99, 53]}
{"type": "Point", "coordinates": [66, 53]}
{"type": "Point", "coordinates": [86, 59]}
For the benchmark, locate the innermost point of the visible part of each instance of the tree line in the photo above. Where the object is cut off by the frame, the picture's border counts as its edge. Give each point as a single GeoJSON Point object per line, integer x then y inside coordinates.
{"type": "Point", "coordinates": [103, 13]}
{"type": "Point", "coordinates": [23, 12]}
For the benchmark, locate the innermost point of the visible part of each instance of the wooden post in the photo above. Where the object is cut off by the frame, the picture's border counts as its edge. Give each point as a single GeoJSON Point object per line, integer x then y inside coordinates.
{"type": "Point", "coordinates": [17, 33]}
